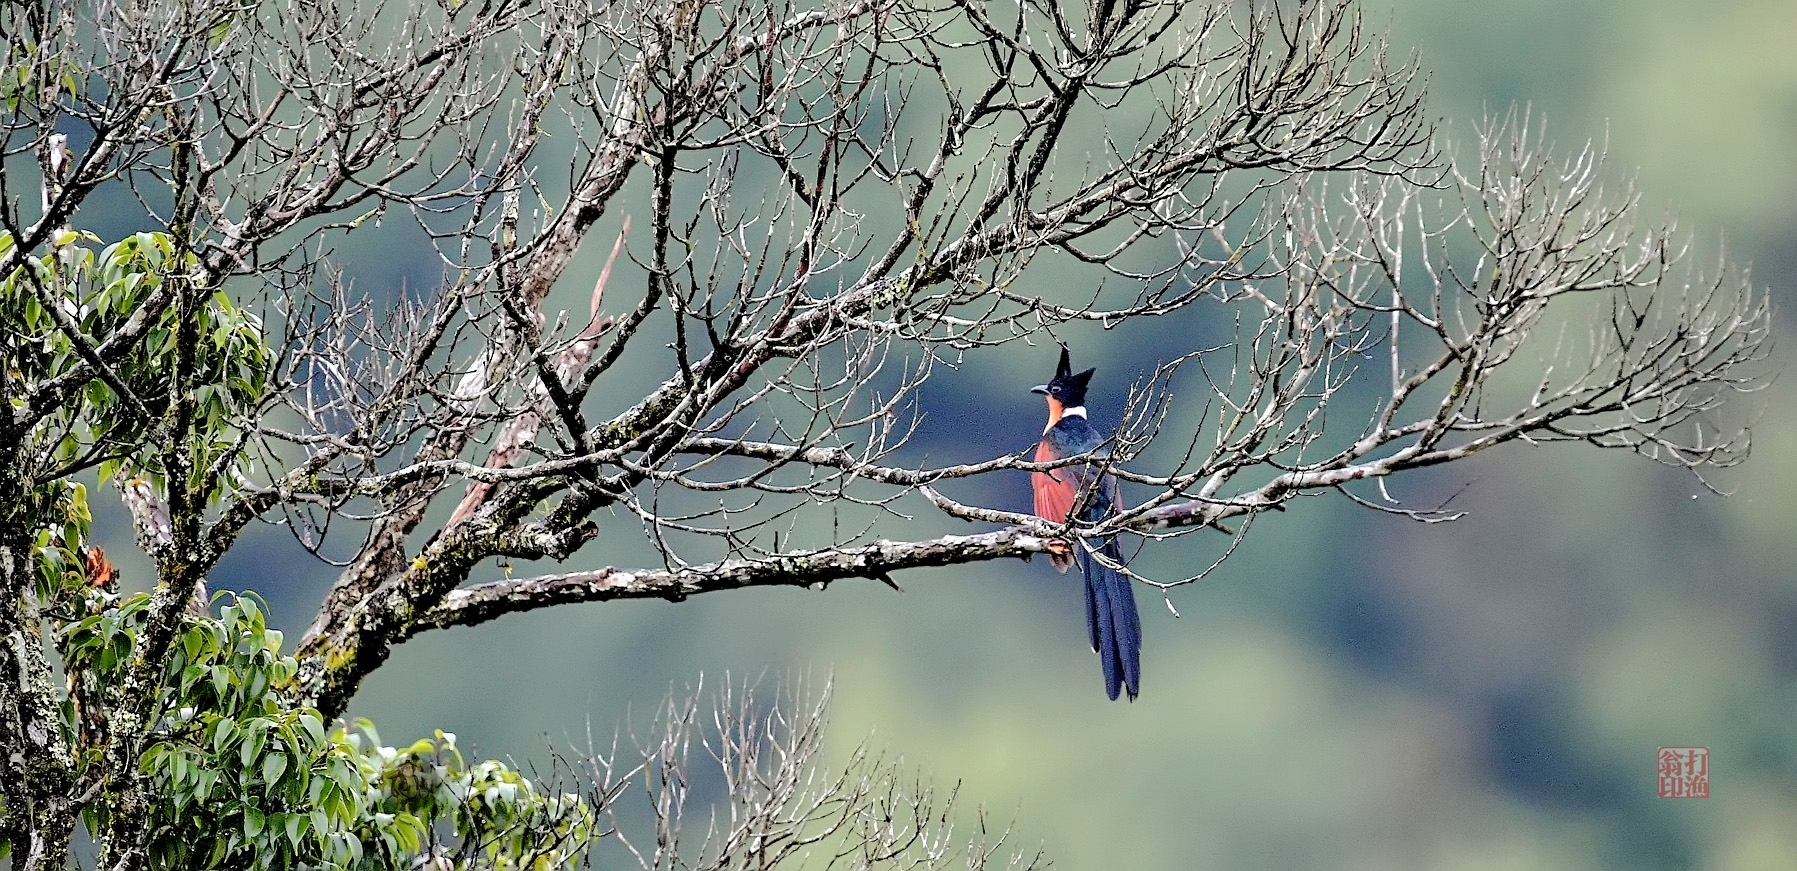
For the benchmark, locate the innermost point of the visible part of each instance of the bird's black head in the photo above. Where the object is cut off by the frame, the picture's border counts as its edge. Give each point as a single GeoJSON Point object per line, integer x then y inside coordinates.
{"type": "Point", "coordinates": [1068, 387]}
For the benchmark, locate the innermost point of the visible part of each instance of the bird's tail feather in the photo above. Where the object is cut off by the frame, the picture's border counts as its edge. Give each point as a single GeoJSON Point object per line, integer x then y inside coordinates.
{"type": "Point", "coordinates": [1112, 622]}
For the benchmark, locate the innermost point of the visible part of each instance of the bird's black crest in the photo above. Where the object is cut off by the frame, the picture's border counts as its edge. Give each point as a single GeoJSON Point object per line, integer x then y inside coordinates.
{"type": "Point", "coordinates": [1068, 386]}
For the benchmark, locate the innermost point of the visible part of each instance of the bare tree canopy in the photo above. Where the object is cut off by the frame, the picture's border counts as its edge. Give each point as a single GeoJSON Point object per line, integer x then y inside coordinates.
{"type": "Point", "coordinates": [818, 205]}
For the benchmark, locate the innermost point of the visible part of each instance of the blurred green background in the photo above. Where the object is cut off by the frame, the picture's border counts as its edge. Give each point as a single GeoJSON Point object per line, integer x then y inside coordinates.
{"type": "Point", "coordinates": [1351, 691]}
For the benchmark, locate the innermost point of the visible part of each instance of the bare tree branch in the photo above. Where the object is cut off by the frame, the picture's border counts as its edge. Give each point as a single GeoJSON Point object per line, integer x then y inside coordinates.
{"type": "Point", "coordinates": [833, 200]}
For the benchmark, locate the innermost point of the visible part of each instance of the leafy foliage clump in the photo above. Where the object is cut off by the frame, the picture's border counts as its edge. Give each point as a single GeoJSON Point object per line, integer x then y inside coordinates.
{"type": "Point", "coordinates": [245, 780]}
{"type": "Point", "coordinates": [73, 291]}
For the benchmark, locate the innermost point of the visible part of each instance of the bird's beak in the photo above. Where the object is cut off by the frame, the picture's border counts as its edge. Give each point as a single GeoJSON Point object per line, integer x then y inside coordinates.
{"type": "Point", "coordinates": [1040, 388]}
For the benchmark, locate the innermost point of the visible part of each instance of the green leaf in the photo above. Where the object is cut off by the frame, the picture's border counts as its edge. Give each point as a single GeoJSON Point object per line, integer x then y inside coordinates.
{"type": "Point", "coordinates": [252, 746]}
{"type": "Point", "coordinates": [296, 826]}
{"type": "Point", "coordinates": [313, 725]}
{"type": "Point", "coordinates": [204, 779]}
{"type": "Point", "coordinates": [223, 733]}
{"type": "Point", "coordinates": [273, 766]}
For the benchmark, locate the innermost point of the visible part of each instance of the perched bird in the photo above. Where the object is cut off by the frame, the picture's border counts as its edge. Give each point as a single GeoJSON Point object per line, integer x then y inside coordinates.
{"type": "Point", "coordinates": [1083, 493]}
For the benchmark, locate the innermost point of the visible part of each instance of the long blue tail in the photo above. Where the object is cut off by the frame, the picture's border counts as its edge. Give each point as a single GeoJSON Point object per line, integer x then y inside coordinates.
{"type": "Point", "coordinates": [1112, 621]}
